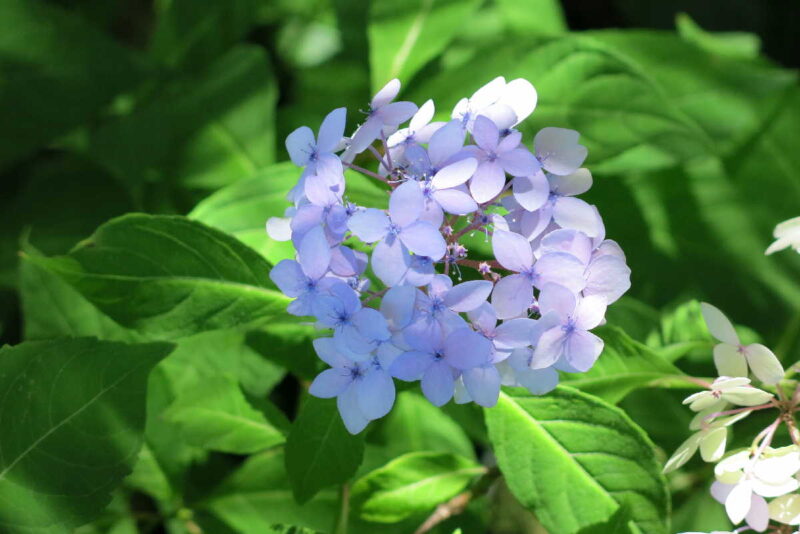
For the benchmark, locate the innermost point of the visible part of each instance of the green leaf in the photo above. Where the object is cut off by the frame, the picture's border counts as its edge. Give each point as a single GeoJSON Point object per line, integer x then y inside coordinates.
{"type": "Point", "coordinates": [52, 308]}
{"type": "Point", "coordinates": [575, 460]}
{"type": "Point", "coordinates": [50, 88]}
{"type": "Point", "coordinates": [405, 36]}
{"type": "Point", "coordinates": [223, 353]}
{"type": "Point", "coordinates": [741, 45]}
{"type": "Point", "coordinates": [202, 131]}
{"type": "Point", "coordinates": [623, 366]}
{"type": "Point", "coordinates": [168, 277]}
{"type": "Point", "coordinates": [187, 37]}
{"type": "Point", "coordinates": [71, 422]}
{"type": "Point", "coordinates": [414, 424]}
{"type": "Point", "coordinates": [50, 207]}
{"type": "Point", "coordinates": [242, 208]}
{"type": "Point", "coordinates": [214, 414]}
{"type": "Point", "coordinates": [412, 483]}
{"type": "Point", "coordinates": [148, 477]}
{"type": "Point", "coordinates": [320, 452]}
{"type": "Point", "coordinates": [525, 16]}
{"type": "Point", "coordinates": [633, 96]}
{"type": "Point", "coordinates": [258, 496]}
{"type": "Point", "coordinates": [288, 346]}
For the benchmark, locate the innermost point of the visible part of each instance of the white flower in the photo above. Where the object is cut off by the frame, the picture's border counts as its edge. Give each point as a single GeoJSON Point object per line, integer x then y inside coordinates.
{"type": "Point", "coordinates": [711, 440]}
{"type": "Point", "coordinates": [732, 358]}
{"type": "Point", "coordinates": [727, 390]}
{"type": "Point", "coordinates": [786, 509]}
{"type": "Point", "coordinates": [743, 482]}
{"type": "Point", "coordinates": [787, 234]}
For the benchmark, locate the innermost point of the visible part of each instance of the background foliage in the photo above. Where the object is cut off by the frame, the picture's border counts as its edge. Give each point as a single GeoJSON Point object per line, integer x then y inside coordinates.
{"type": "Point", "coordinates": [152, 382]}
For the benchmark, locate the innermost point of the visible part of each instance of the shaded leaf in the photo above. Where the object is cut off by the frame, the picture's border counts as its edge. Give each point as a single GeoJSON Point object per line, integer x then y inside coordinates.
{"type": "Point", "coordinates": [623, 366]}
{"type": "Point", "coordinates": [49, 88]}
{"type": "Point", "coordinates": [320, 452]}
{"type": "Point", "coordinates": [72, 418]}
{"type": "Point", "coordinates": [214, 414]}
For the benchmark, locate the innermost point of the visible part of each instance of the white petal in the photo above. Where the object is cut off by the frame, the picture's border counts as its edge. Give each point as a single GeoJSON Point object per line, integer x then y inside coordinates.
{"type": "Point", "coordinates": [763, 363]}
{"type": "Point", "coordinates": [719, 325]}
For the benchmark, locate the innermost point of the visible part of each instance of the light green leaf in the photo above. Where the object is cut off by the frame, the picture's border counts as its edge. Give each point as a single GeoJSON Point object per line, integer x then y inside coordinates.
{"type": "Point", "coordinates": [320, 452]}
{"type": "Point", "coordinates": [168, 277]}
{"type": "Point", "coordinates": [148, 477]}
{"type": "Point", "coordinates": [50, 88]}
{"type": "Point", "coordinates": [225, 353]}
{"type": "Point", "coordinates": [214, 414]}
{"type": "Point", "coordinates": [575, 460]}
{"type": "Point", "coordinates": [242, 208]}
{"type": "Point", "coordinates": [412, 483]}
{"type": "Point", "coordinates": [71, 422]}
{"type": "Point", "coordinates": [405, 36]}
{"type": "Point", "coordinates": [623, 366]}
{"type": "Point", "coordinates": [414, 424]}
{"type": "Point", "coordinates": [258, 496]}
{"type": "Point", "coordinates": [543, 17]}
{"type": "Point", "coordinates": [741, 45]}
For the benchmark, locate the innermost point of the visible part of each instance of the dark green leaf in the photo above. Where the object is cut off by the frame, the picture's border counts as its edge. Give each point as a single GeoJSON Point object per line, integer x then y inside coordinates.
{"type": "Point", "coordinates": [188, 37]}
{"type": "Point", "coordinates": [412, 483]}
{"type": "Point", "coordinates": [405, 36]}
{"type": "Point", "coordinates": [167, 277]}
{"type": "Point", "coordinates": [214, 414]}
{"type": "Point", "coordinates": [48, 87]}
{"type": "Point", "coordinates": [320, 452]}
{"type": "Point", "coordinates": [414, 424]}
{"type": "Point", "coordinates": [61, 200]}
{"type": "Point", "coordinates": [258, 496]}
{"type": "Point", "coordinates": [575, 460]}
{"type": "Point", "coordinates": [203, 131]}
{"type": "Point", "coordinates": [72, 420]}
{"type": "Point", "coordinates": [288, 346]}
{"type": "Point", "coordinates": [632, 95]}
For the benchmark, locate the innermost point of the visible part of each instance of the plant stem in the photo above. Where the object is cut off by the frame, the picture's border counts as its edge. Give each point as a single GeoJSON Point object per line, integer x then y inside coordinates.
{"type": "Point", "coordinates": [366, 172]}
{"type": "Point", "coordinates": [344, 511]}
{"type": "Point", "coordinates": [459, 503]}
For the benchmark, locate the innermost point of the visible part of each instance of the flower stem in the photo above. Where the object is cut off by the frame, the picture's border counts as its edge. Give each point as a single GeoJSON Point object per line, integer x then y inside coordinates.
{"type": "Point", "coordinates": [366, 172]}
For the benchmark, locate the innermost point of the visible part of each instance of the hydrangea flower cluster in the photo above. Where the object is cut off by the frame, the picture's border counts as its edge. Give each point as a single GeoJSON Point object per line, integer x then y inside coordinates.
{"type": "Point", "coordinates": [745, 478]}
{"type": "Point", "coordinates": [379, 279]}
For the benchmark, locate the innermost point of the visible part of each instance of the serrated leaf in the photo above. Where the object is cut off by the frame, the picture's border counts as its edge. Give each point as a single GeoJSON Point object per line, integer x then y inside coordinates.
{"type": "Point", "coordinates": [167, 277]}
{"type": "Point", "coordinates": [412, 483]}
{"type": "Point", "coordinates": [214, 414]}
{"type": "Point", "coordinates": [320, 452]}
{"type": "Point", "coordinates": [71, 424]}
{"type": "Point", "coordinates": [575, 460]}
{"type": "Point", "coordinates": [404, 37]}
